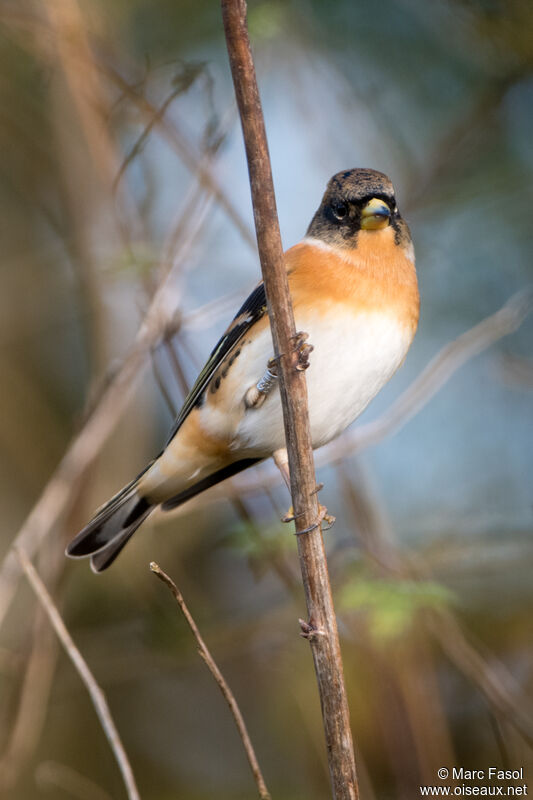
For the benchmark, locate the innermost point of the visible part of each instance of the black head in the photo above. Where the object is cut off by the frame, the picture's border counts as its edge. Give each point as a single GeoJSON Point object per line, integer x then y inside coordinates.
{"type": "Point", "coordinates": [355, 200]}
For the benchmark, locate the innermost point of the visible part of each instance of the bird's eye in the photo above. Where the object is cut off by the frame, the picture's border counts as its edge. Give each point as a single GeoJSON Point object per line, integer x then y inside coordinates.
{"type": "Point", "coordinates": [340, 210]}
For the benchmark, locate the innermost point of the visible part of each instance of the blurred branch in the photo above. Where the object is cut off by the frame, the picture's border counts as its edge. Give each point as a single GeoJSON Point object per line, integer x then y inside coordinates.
{"type": "Point", "coordinates": [57, 495]}
{"type": "Point", "coordinates": [516, 371]}
{"type": "Point", "coordinates": [178, 141]}
{"type": "Point", "coordinates": [444, 158]}
{"type": "Point", "coordinates": [37, 681]}
{"type": "Point", "coordinates": [196, 191]}
{"type": "Point", "coordinates": [50, 775]}
{"type": "Point", "coordinates": [492, 679]}
{"type": "Point", "coordinates": [97, 696]}
{"type": "Point", "coordinates": [173, 134]}
{"type": "Point", "coordinates": [159, 114]}
{"type": "Point", "coordinates": [210, 663]}
{"type": "Point", "coordinates": [70, 43]}
{"type": "Point", "coordinates": [80, 101]}
{"type": "Point", "coordinates": [35, 684]}
{"type": "Point", "coordinates": [321, 630]}
{"type": "Point", "coordinates": [143, 136]}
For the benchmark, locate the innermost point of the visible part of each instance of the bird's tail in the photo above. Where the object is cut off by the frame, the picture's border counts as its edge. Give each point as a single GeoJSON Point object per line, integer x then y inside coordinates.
{"type": "Point", "coordinates": [113, 525]}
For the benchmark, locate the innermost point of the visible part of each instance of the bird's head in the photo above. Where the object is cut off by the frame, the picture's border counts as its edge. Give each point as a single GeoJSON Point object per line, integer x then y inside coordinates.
{"type": "Point", "coordinates": [358, 202]}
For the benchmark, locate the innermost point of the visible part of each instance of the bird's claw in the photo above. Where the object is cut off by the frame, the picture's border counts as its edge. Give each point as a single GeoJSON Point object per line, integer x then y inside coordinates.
{"type": "Point", "coordinates": [323, 516]}
{"type": "Point", "coordinates": [302, 349]}
{"type": "Point", "coordinates": [289, 516]}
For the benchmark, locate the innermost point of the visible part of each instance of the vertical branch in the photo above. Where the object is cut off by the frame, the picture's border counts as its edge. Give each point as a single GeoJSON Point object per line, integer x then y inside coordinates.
{"type": "Point", "coordinates": [322, 627]}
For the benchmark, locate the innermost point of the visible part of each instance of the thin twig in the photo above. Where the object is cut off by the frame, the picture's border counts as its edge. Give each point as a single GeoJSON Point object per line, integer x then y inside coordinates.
{"type": "Point", "coordinates": [144, 135]}
{"type": "Point", "coordinates": [97, 696]}
{"type": "Point", "coordinates": [321, 630]}
{"type": "Point", "coordinates": [210, 663]}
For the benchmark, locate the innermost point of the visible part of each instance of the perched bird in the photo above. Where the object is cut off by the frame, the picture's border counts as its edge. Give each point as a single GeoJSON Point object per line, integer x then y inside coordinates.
{"type": "Point", "coordinates": [354, 291]}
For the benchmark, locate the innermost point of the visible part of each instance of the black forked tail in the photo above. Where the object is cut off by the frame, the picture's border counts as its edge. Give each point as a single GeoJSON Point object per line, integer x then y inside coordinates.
{"type": "Point", "coordinates": [106, 534]}
{"type": "Point", "coordinates": [115, 523]}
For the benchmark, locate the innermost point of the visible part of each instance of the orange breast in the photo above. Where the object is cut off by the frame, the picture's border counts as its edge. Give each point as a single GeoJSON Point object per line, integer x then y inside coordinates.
{"type": "Point", "coordinates": [376, 275]}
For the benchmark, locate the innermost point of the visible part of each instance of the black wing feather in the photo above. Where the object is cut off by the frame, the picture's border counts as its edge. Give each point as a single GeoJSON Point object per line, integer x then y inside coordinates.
{"type": "Point", "coordinates": [253, 309]}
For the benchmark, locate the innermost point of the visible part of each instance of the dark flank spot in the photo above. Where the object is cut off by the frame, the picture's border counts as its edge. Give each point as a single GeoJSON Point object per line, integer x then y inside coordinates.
{"type": "Point", "coordinates": [215, 384]}
{"type": "Point", "coordinates": [234, 356]}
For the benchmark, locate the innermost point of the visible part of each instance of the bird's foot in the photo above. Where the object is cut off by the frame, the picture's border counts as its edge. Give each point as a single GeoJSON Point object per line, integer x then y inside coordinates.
{"type": "Point", "coordinates": [256, 395]}
{"type": "Point", "coordinates": [323, 516]}
{"type": "Point", "coordinates": [289, 516]}
{"type": "Point", "coordinates": [302, 349]}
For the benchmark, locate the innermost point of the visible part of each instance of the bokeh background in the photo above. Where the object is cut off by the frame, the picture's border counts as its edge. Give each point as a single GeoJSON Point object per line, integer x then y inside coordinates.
{"type": "Point", "coordinates": [123, 189]}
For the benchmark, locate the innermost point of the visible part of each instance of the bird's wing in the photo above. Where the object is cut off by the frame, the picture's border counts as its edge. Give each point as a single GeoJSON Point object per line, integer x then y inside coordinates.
{"type": "Point", "coordinates": [252, 310]}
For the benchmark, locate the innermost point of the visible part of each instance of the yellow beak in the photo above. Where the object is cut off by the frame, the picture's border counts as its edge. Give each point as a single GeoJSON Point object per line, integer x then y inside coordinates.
{"type": "Point", "coordinates": [375, 215]}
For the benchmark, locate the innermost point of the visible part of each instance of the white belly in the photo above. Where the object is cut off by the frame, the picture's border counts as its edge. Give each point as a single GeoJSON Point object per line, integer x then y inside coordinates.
{"type": "Point", "coordinates": [346, 371]}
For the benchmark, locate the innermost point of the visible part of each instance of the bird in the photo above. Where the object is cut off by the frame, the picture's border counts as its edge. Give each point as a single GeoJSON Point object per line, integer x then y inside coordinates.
{"type": "Point", "coordinates": [354, 291]}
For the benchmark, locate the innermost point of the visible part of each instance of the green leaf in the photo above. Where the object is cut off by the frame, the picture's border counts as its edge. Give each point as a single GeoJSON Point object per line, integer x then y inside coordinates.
{"type": "Point", "coordinates": [391, 606]}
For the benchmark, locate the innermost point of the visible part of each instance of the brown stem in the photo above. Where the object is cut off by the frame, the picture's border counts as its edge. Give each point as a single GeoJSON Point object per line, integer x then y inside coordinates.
{"type": "Point", "coordinates": [322, 627]}
{"type": "Point", "coordinates": [210, 663]}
